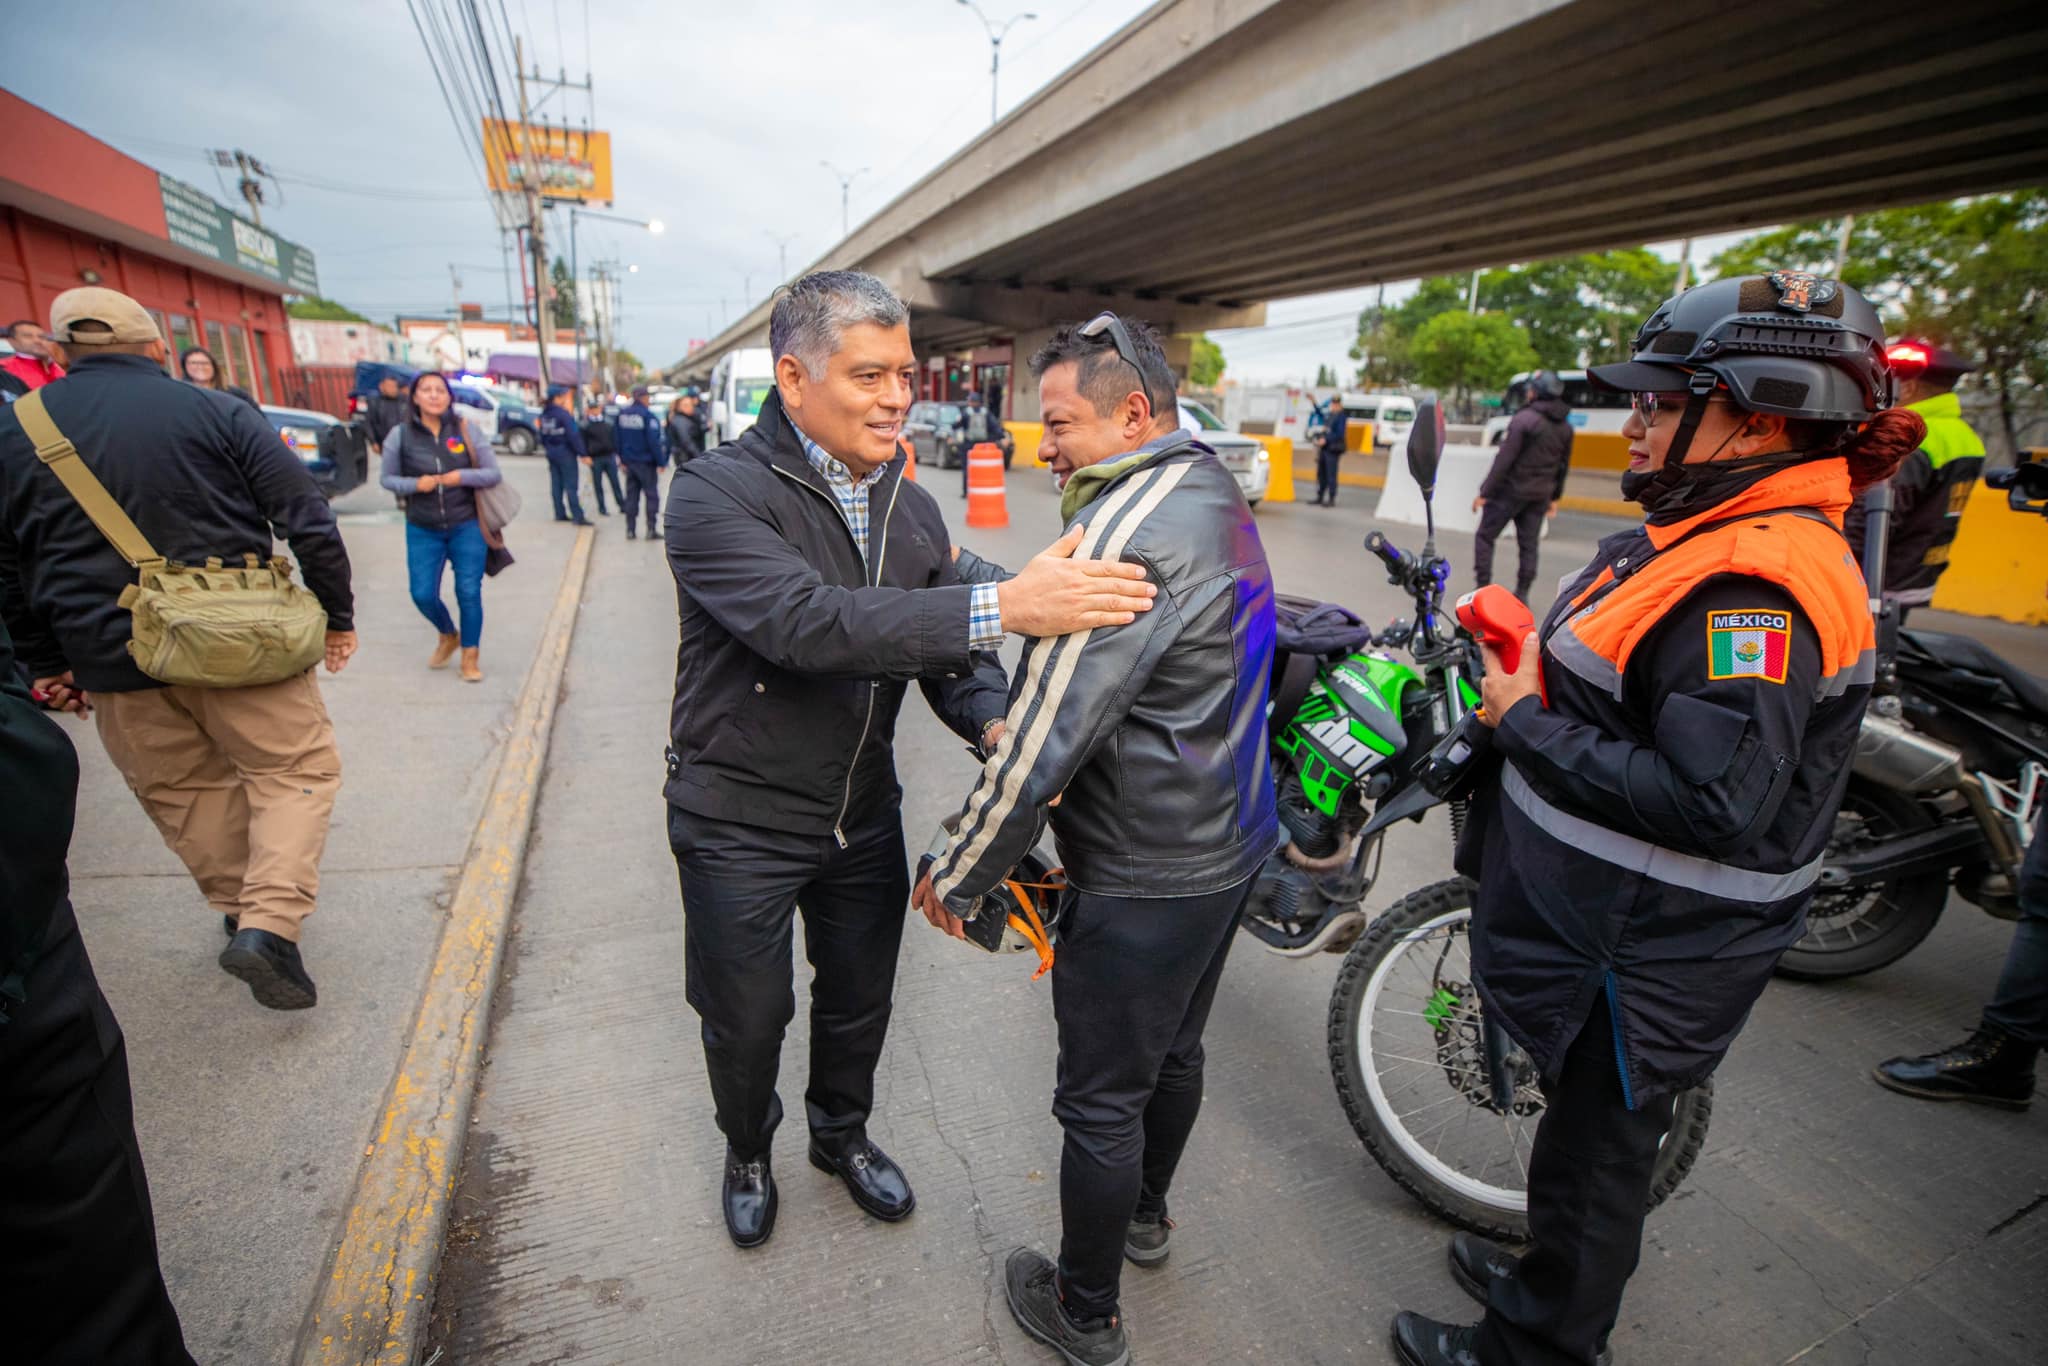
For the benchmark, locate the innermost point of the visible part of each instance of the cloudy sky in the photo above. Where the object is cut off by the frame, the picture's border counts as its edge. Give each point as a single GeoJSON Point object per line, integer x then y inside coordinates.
{"type": "Point", "coordinates": [720, 114]}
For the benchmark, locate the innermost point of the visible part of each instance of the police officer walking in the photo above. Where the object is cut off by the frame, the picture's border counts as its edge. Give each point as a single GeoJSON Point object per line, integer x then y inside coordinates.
{"type": "Point", "coordinates": [1526, 480]}
{"type": "Point", "coordinates": [643, 452]}
{"type": "Point", "coordinates": [562, 442]}
{"type": "Point", "coordinates": [1670, 776]}
{"type": "Point", "coordinates": [1932, 487]}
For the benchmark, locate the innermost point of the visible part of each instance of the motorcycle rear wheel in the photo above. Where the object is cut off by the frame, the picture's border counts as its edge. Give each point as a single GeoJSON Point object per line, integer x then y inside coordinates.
{"type": "Point", "coordinates": [1858, 931]}
{"type": "Point", "coordinates": [1432, 922]}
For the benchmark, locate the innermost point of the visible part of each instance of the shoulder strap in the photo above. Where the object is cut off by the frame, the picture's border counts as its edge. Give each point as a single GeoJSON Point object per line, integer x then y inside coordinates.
{"type": "Point", "coordinates": [54, 449]}
{"type": "Point", "coordinates": [1292, 688]}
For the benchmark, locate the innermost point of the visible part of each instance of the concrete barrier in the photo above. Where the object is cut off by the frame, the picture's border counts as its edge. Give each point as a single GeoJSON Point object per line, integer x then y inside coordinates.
{"type": "Point", "coordinates": [1280, 468]}
{"type": "Point", "coordinates": [1458, 478]}
{"type": "Point", "coordinates": [1998, 566]}
{"type": "Point", "coordinates": [1027, 436]}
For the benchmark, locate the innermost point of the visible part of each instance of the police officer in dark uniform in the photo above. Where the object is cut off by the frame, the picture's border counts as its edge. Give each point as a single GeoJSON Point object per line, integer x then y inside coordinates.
{"type": "Point", "coordinates": [78, 1261]}
{"type": "Point", "coordinates": [643, 452]}
{"type": "Point", "coordinates": [1932, 487]}
{"type": "Point", "coordinates": [561, 440]}
{"type": "Point", "coordinates": [1669, 778]}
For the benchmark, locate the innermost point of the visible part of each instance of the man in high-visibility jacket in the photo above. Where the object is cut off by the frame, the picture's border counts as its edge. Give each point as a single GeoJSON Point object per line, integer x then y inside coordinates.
{"type": "Point", "coordinates": [1931, 489]}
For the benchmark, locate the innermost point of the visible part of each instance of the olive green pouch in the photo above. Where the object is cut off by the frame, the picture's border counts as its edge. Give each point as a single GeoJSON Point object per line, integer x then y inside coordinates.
{"type": "Point", "coordinates": [210, 626]}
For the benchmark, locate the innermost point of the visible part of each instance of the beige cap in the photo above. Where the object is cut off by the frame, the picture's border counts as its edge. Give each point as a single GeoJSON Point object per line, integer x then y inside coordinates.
{"type": "Point", "coordinates": [128, 320]}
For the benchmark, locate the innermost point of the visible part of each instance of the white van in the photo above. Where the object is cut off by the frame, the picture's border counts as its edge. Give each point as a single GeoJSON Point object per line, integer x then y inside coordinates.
{"type": "Point", "coordinates": [740, 384]}
{"type": "Point", "coordinates": [1592, 409]}
{"type": "Point", "coordinates": [1392, 416]}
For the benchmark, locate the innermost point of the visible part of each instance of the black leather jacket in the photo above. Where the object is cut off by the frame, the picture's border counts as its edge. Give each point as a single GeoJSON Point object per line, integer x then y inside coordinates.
{"type": "Point", "coordinates": [1154, 732]}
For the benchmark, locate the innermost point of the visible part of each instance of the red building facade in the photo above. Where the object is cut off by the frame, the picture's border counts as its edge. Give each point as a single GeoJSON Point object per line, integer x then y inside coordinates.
{"type": "Point", "coordinates": [73, 211]}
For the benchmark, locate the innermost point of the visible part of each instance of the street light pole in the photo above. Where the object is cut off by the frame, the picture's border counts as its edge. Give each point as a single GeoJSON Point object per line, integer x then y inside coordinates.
{"type": "Point", "coordinates": [576, 211]}
{"type": "Point", "coordinates": [782, 242]}
{"type": "Point", "coordinates": [995, 50]}
{"type": "Point", "coordinates": [846, 180]}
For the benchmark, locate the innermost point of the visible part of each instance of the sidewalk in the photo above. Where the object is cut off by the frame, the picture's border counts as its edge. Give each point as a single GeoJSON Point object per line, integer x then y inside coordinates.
{"type": "Point", "coordinates": [1828, 1222]}
{"type": "Point", "coordinates": [253, 1122]}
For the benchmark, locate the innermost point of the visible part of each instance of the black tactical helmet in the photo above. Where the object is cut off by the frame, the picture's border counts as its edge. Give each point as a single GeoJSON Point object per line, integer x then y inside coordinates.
{"type": "Point", "coordinates": [1544, 384]}
{"type": "Point", "coordinates": [1789, 343]}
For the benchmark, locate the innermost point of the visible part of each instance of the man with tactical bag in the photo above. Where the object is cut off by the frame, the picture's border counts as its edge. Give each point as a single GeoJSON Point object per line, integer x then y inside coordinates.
{"type": "Point", "coordinates": [137, 577]}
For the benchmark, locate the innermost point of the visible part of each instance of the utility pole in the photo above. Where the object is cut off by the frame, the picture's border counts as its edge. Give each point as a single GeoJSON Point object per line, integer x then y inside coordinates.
{"type": "Point", "coordinates": [1842, 245]}
{"type": "Point", "coordinates": [1684, 263]}
{"type": "Point", "coordinates": [845, 186]}
{"type": "Point", "coordinates": [543, 283]}
{"type": "Point", "coordinates": [251, 171]}
{"type": "Point", "coordinates": [1472, 303]}
{"type": "Point", "coordinates": [460, 348]}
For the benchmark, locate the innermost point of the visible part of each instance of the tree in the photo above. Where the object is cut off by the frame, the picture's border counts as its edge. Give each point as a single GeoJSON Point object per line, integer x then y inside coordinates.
{"type": "Point", "coordinates": [1326, 378]}
{"type": "Point", "coordinates": [322, 310]}
{"type": "Point", "coordinates": [1461, 352]}
{"type": "Point", "coordinates": [1205, 363]}
{"type": "Point", "coordinates": [565, 304]}
{"type": "Point", "coordinates": [626, 364]}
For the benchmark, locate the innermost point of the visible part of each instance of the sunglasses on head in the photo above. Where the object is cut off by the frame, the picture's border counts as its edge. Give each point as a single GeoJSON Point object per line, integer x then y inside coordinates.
{"type": "Point", "coordinates": [1121, 339]}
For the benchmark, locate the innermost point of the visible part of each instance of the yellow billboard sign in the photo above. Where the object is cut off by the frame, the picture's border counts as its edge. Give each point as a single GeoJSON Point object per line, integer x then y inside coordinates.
{"type": "Point", "coordinates": [562, 163]}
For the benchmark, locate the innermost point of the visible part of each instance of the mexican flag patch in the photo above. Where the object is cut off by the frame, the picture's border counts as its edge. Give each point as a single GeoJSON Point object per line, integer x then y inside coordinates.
{"type": "Point", "coordinates": [1748, 645]}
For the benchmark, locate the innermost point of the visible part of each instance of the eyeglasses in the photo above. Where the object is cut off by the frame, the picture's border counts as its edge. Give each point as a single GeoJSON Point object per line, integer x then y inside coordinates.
{"type": "Point", "coordinates": [1121, 338]}
{"type": "Point", "coordinates": [1649, 402]}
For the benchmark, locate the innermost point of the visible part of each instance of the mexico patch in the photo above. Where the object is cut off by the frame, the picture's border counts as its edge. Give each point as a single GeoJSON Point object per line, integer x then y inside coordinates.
{"type": "Point", "coordinates": [1748, 645]}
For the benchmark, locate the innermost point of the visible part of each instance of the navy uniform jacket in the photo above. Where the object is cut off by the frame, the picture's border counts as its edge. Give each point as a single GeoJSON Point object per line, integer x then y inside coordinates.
{"type": "Point", "coordinates": [559, 435]}
{"type": "Point", "coordinates": [639, 434]}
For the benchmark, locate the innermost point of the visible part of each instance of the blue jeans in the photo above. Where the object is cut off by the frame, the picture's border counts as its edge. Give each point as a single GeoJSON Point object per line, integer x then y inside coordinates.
{"type": "Point", "coordinates": [563, 479]}
{"type": "Point", "coordinates": [427, 549]}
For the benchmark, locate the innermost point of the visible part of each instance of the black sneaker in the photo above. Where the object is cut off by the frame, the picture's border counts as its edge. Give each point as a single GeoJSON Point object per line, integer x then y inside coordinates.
{"type": "Point", "coordinates": [1147, 1236]}
{"type": "Point", "coordinates": [1420, 1341]}
{"type": "Point", "coordinates": [1030, 1282]}
{"type": "Point", "coordinates": [1990, 1067]}
{"type": "Point", "coordinates": [271, 967]}
{"type": "Point", "coordinates": [1477, 1262]}
{"type": "Point", "coordinates": [631, 534]}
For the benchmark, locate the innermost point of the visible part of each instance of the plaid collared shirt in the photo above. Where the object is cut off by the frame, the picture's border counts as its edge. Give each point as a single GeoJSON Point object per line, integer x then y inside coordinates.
{"type": "Point", "coordinates": [984, 606]}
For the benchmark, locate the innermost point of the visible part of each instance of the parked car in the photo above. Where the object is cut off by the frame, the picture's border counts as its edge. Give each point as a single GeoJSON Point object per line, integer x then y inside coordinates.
{"type": "Point", "coordinates": [472, 400]}
{"type": "Point", "coordinates": [1244, 456]}
{"type": "Point", "coordinates": [335, 453]}
{"type": "Point", "coordinates": [938, 434]}
{"type": "Point", "coordinates": [518, 422]}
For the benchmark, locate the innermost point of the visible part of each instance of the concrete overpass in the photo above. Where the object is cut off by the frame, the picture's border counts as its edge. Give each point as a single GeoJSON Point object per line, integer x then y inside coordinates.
{"type": "Point", "coordinates": [1216, 154]}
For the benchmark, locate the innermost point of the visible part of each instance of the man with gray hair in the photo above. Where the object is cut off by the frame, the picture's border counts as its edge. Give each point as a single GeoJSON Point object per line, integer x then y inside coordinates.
{"type": "Point", "coordinates": [813, 583]}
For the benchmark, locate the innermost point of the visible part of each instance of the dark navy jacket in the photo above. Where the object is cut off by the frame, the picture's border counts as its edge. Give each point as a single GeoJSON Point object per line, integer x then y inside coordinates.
{"type": "Point", "coordinates": [640, 440]}
{"type": "Point", "coordinates": [560, 437]}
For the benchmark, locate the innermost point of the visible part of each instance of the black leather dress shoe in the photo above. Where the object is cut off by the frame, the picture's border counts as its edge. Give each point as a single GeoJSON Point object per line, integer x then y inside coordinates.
{"type": "Point", "coordinates": [749, 1199]}
{"type": "Point", "coordinates": [1989, 1068]}
{"type": "Point", "coordinates": [271, 967]}
{"type": "Point", "coordinates": [1425, 1342]}
{"type": "Point", "coordinates": [872, 1178]}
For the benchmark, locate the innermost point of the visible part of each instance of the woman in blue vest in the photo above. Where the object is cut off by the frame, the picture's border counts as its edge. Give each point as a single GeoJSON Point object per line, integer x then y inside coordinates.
{"type": "Point", "coordinates": [1673, 757]}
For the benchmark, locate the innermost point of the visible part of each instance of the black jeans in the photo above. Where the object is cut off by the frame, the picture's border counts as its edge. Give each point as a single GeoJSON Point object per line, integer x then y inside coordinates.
{"type": "Point", "coordinates": [2020, 1005]}
{"type": "Point", "coordinates": [1493, 519]}
{"type": "Point", "coordinates": [1131, 989]}
{"type": "Point", "coordinates": [604, 467]}
{"type": "Point", "coordinates": [1589, 1183]}
{"type": "Point", "coordinates": [562, 487]}
{"type": "Point", "coordinates": [642, 481]}
{"type": "Point", "coordinates": [740, 884]}
{"type": "Point", "coordinates": [1326, 473]}
{"type": "Point", "coordinates": [78, 1256]}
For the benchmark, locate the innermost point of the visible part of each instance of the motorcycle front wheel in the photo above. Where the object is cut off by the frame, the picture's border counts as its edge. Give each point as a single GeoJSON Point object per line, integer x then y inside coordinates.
{"type": "Point", "coordinates": [1406, 1051]}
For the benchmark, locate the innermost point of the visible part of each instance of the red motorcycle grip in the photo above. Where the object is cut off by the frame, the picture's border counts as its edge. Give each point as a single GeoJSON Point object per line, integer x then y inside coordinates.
{"type": "Point", "coordinates": [1499, 619]}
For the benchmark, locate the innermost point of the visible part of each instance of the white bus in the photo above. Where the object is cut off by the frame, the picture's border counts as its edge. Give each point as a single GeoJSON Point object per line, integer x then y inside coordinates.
{"type": "Point", "coordinates": [740, 384]}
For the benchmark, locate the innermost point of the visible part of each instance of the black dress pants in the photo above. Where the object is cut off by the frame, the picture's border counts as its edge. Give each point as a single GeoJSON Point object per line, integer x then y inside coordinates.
{"type": "Point", "coordinates": [643, 482]}
{"type": "Point", "coordinates": [1326, 473]}
{"type": "Point", "coordinates": [1589, 1184]}
{"type": "Point", "coordinates": [1493, 519]}
{"type": "Point", "coordinates": [603, 467]}
{"type": "Point", "coordinates": [740, 885]}
{"type": "Point", "coordinates": [78, 1254]}
{"type": "Point", "coordinates": [1131, 990]}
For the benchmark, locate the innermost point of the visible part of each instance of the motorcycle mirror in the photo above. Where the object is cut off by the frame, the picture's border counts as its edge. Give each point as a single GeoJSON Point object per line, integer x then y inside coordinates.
{"type": "Point", "coordinates": [1426, 445]}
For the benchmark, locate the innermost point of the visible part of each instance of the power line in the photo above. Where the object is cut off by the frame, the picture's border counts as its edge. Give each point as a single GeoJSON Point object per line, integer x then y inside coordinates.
{"type": "Point", "coordinates": [447, 101]}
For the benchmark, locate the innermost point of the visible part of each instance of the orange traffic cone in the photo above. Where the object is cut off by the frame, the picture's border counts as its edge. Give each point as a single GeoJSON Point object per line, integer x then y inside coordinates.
{"type": "Point", "coordinates": [987, 506]}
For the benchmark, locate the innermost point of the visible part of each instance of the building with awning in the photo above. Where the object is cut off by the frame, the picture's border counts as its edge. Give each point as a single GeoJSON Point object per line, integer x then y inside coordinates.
{"type": "Point", "coordinates": [74, 211]}
{"type": "Point", "coordinates": [526, 369]}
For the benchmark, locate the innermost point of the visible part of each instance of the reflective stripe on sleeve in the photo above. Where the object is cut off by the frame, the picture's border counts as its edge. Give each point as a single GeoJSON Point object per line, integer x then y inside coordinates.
{"type": "Point", "coordinates": [1720, 880]}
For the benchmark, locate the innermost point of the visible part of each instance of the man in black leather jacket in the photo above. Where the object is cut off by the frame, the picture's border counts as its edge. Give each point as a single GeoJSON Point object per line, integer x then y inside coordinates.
{"type": "Point", "coordinates": [813, 582]}
{"type": "Point", "coordinates": [1152, 739]}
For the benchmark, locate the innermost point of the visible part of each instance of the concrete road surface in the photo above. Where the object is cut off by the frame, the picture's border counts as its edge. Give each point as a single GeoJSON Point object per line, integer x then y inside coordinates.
{"type": "Point", "coordinates": [1829, 1221]}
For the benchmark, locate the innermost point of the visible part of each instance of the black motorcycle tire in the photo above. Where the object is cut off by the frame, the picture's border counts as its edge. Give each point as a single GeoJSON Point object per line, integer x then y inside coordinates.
{"type": "Point", "coordinates": [1689, 1119]}
{"type": "Point", "coordinates": [1902, 911]}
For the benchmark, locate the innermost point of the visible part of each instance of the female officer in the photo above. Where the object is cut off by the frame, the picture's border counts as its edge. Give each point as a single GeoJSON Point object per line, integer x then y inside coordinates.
{"type": "Point", "coordinates": [1670, 777]}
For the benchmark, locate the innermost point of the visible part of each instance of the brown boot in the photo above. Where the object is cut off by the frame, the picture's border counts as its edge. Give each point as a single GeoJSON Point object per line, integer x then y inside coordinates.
{"type": "Point", "coordinates": [470, 672]}
{"type": "Point", "coordinates": [444, 650]}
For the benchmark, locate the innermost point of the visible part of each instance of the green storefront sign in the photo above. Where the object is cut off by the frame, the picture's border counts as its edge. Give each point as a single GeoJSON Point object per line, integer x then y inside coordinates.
{"type": "Point", "coordinates": [197, 223]}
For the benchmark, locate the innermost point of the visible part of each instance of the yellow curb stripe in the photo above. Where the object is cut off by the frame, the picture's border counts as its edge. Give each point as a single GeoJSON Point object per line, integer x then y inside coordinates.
{"type": "Point", "coordinates": [373, 1306]}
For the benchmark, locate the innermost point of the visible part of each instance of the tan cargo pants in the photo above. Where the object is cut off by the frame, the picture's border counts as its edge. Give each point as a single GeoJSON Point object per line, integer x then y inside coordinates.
{"type": "Point", "coordinates": [240, 781]}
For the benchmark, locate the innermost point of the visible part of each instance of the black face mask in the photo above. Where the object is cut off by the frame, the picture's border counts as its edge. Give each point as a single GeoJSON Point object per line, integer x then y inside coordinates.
{"type": "Point", "coordinates": [1696, 487]}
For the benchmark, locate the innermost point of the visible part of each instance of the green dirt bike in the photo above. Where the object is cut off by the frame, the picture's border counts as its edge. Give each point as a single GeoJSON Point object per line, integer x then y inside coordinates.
{"type": "Point", "coordinates": [1444, 1101]}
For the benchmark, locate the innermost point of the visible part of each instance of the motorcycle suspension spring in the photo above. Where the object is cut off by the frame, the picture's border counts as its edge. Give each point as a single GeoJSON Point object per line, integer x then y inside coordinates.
{"type": "Point", "coordinates": [1457, 822]}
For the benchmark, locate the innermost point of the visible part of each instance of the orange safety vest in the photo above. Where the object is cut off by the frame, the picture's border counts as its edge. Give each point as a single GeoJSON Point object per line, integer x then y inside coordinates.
{"type": "Point", "coordinates": [1783, 543]}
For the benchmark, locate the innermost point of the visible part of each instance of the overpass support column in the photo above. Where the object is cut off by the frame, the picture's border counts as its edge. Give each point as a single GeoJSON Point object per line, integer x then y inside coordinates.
{"type": "Point", "coordinates": [1023, 385]}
